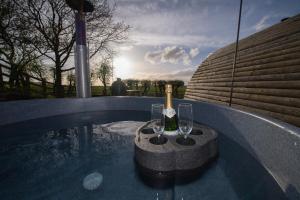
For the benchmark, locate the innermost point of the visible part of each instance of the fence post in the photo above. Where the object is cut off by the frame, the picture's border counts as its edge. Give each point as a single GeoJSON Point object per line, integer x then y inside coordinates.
{"type": "Point", "coordinates": [53, 89]}
{"type": "Point", "coordinates": [27, 85]}
{"type": "Point", "coordinates": [44, 87]}
{"type": "Point", "coordinates": [1, 79]}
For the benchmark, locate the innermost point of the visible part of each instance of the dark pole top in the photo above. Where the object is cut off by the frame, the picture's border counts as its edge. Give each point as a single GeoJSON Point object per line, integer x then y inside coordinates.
{"type": "Point", "coordinates": [76, 5]}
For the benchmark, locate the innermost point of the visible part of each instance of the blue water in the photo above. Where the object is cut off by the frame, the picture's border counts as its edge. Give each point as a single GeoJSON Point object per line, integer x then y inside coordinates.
{"type": "Point", "coordinates": [48, 158]}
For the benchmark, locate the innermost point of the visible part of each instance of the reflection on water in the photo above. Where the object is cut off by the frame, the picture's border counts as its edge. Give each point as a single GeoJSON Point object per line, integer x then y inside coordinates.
{"type": "Point", "coordinates": [92, 181]}
{"type": "Point", "coordinates": [52, 163]}
{"type": "Point", "coordinates": [58, 146]}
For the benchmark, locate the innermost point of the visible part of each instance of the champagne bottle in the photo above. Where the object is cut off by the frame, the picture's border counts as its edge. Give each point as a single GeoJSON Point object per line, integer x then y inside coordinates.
{"type": "Point", "coordinates": [171, 124]}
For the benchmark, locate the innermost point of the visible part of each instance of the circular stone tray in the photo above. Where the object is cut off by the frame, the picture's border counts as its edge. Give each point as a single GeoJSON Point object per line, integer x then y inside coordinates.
{"type": "Point", "coordinates": [173, 153]}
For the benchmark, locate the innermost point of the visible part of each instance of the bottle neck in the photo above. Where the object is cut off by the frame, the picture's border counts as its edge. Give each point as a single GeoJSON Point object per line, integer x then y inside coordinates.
{"type": "Point", "coordinates": [168, 103]}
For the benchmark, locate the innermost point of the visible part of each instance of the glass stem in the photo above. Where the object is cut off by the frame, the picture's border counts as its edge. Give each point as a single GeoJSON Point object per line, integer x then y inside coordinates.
{"type": "Point", "coordinates": [185, 136]}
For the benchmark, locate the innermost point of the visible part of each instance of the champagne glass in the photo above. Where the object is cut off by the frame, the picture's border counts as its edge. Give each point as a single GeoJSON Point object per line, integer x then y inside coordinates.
{"type": "Point", "coordinates": [158, 119]}
{"type": "Point", "coordinates": [185, 118]}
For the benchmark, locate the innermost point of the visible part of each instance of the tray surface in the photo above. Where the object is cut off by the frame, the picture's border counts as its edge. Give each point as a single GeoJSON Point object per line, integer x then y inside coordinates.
{"type": "Point", "coordinates": [172, 153]}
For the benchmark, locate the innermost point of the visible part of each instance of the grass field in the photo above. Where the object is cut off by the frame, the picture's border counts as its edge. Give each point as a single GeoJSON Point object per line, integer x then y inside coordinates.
{"type": "Point", "coordinates": [36, 91]}
{"type": "Point", "coordinates": [98, 91]}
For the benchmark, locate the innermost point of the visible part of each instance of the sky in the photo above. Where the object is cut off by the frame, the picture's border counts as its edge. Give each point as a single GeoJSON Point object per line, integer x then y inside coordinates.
{"type": "Point", "coordinates": [169, 39]}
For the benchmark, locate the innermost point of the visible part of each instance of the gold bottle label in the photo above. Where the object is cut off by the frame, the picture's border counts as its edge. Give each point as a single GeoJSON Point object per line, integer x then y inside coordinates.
{"type": "Point", "coordinates": [168, 91]}
{"type": "Point", "coordinates": [169, 110]}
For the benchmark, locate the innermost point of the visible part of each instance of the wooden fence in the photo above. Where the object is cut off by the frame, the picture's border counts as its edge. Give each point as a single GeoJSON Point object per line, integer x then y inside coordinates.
{"type": "Point", "coordinates": [266, 78]}
{"type": "Point", "coordinates": [33, 85]}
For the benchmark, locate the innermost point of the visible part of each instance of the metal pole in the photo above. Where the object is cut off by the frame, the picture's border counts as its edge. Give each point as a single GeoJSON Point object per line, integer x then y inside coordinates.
{"type": "Point", "coordinates": [88, 65]}
{"type": "Point", "coordinates": [112, 67]}
{"type": "Point", "coordinates": [82, 70]}
{"type": "Point", "coordinates": [235, 53]}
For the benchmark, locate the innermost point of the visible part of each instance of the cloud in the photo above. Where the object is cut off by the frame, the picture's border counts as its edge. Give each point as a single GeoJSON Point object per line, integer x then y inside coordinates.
{"type": "Point", "coordinates": [126, 48]}
{"type": "Point", "coordinates": [184, 72]}
{"type": "Point", "coordinates": [180, 23]}
{"type": "Point", "coordinates": [209, 54]}
{"type": "Point", "coordinates": [269, 2]}
{"type": "Point", "coordinates": [207, 25]}
{"type": "Point", "coordinates": [174, 54]}
{"type": "Point", "coordinates": [153, 57]}
{"type": "Point", "coordinates": [156, 39]}
{"type": "Point", "coordinates": [171, 54]}
{"type": "Point", "coordinates": [261, 24]}
{"type": "Point", "coordinates": [194, 52]}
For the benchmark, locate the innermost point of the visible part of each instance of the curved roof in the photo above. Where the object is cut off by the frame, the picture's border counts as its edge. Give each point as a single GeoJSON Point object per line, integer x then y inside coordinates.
{"type": "Point", "coordinates": [267, 75]}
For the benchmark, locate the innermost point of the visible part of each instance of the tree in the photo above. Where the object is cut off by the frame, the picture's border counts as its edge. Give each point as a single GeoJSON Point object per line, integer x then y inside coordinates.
{"type": "Point", "coordinates": [136, 83]}
{"type": "Point", "coordinates": [104, 74]}
{"type": "Point", "coordinates": [36, 69]}
{"type": "Point", "coordinates": [71, 80]}
{"type": "Point", "coordinates": [102, 30]}
{"type": "Point", "coordinates": [1, 79]}
{"type": "Point", "coordinates": [146, 84]}
{"type": "Point", "coordinates": [155, 85]}
{"type": "Point", "coordinates": [176, 85]}
{"type": "Point", "coordinates": [130, 83]}
{"type": "Point", "coordinates": [161, 86]}
{"type": "Point", "coordinates": [52, 24]}
{"type": "Point", "coordinates": [16, 46]}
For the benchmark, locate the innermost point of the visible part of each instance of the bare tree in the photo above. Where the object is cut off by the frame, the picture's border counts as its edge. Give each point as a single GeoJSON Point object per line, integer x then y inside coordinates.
{"type": "Point", "coordinates": [71, 79]}
{"type": "Point", "coordinates": [104, 74]}
{"type": "Point", "coordinates": [155, 85]}
{"type": "Point", "coordinates": [161, 86]}
{"type": "Point", "coordinates": [146, 84]}
{"type": "Point", "coordinates": [52, 24]}
{"type": "Point", "coordinates": [136, 84]}
{"type": "Point", "coordinates": [16, 49]}
{"type": "Point", "coordinates": [129, 83]}
{"type": "Point", "coordinates": [102, 30]}
{"type": "Point", "coordinates": [36, 69]}
{"type": "Point", "coordinates": [176, 85]}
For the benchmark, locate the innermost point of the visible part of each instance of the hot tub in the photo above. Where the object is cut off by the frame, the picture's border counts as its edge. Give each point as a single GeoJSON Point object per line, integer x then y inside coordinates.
{"type": "Point", "coordinates": [48, 148]}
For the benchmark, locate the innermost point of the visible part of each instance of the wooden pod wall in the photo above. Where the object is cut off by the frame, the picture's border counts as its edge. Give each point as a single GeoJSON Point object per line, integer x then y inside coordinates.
{"type": "Point", "coordinates": [266, 78]}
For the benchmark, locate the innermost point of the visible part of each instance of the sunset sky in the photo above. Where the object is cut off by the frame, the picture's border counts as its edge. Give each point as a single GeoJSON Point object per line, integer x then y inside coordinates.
{"type": "Point", "coordinates": [170, 38]}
